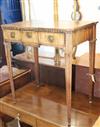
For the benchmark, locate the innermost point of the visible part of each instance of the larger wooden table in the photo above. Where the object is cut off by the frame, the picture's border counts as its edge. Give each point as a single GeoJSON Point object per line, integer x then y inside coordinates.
{"type": "Point", "coordinates": [42, 107]}
{"type": "Point", "coordinates": [66, 35]}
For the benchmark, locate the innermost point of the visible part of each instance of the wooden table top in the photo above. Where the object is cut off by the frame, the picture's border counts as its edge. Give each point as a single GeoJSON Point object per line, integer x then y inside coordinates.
{"type": "Point", "coordinates": [43, 104]}
{"type": "Point", "coordinates": [38, 25]}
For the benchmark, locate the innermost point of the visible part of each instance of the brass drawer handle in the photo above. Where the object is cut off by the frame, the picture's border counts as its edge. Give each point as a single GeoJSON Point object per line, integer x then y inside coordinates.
{"type": "Point", "coordinates": [29, 34]}
{"type": "Point", "coordinates": [12, 34]}
{"type": "Point", "coordinates": [50, 38]}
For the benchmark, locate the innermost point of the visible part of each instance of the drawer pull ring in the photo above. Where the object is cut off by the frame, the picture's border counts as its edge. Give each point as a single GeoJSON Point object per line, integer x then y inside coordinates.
{"type": "Point", "coordinates": [12, 35]}
{"type": "Point", "coordinates": [29, 34]}
{"type": "Point", "coordinates": [50, 38]}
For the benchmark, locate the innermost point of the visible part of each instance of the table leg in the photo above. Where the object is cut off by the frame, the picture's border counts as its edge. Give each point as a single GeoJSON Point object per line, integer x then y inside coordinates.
{"type": "Point", "coordinates": [92, 44]}
{"type": "Point", "coordinates": [68, 74]}
{"type": "Point", "coordinates": [37, 69]}
{"type": "Point", "coordinates": [10, 70]}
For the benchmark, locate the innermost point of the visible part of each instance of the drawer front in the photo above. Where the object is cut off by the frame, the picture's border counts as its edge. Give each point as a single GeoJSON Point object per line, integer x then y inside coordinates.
{"type": "Point", "coordinates": [29, 38]}
{"type": "Point", "coordinates": [12, 35]}
{"type": "Point", "coordinates": [13, 112]}
{"type": "Point", "coordinates": [51, 39]}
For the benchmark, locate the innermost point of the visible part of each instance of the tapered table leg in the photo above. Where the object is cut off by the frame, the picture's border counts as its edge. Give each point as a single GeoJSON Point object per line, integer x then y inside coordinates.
{"type": "Point", "coordinates": [10, 69]}
{"type": "Point", "coordinates": [37, 69]}
{"type": "Point", "coordinates": [68, 74]}
{"type": "Point", "coordinates": [92, 44]}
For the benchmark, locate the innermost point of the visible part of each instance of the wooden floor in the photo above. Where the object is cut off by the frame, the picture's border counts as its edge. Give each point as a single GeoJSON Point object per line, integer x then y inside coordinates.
{"type": "Point", "coordinates": [48, 103]}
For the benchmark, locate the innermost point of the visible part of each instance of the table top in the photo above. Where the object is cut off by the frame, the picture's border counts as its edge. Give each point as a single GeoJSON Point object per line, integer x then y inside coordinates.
{"type": "Point", "coordinates": [62, 26]}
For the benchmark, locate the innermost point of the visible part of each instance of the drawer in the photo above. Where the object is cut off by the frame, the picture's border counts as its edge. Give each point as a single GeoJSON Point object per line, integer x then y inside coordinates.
{"type": "Point", "coordinates": [13, 112]}
{"type": "Point", "coordinates": [29, 38]}
{"type": "Point", "coordinates": [12, 35]}
{"type": "Point", "coordinates": [51, 39]}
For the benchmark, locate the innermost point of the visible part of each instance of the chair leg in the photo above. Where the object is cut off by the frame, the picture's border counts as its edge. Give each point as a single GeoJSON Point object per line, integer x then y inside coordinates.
{"type": "Point", "coordinates": [2, 123]}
